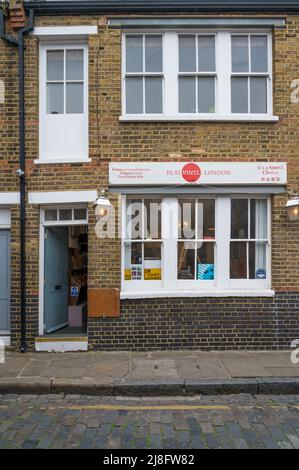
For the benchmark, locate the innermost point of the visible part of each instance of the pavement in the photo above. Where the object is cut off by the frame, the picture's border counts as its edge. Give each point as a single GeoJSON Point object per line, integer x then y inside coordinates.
{"type": "Point", "coordinates": [93, 422]}
{"type": "Point", "coordinates": [173, 373]}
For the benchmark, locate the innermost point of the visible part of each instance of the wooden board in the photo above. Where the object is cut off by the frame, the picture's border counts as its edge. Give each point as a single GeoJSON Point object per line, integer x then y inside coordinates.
{"type": "Point", "coordinates": [103, 303]}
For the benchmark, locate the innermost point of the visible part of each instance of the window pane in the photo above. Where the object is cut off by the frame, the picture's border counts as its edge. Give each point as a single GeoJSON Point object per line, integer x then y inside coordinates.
{"type": "Point", "coordinates": [133, 261]}
{"type": "Point", "coordinates": [80, 214]}
{"type": "Point", "coordinates": [205, 219]}
{"type": "Point", "coordinates": [74, 98]}
{"type": "Point", "coordinates": [206, 54]}
{"type": "Point", "coordinates": [240, 61]}
{"type": "Point", "coordinates": [152, 261]}
{"type": "Point", "coordinates": [134, 54]}
{"type": "Point", "coordinates": [239, 218]}
{"type": "Point", "coordinates": [205, 261]}
{"type": "Point", "coordinates": [65, 214]}
{"type": "Point", "coordinates": [187, 54]}
{"type": "Point", "coordinates": [238, 260]}
{"type": "Point", "coordinates": [134, 229]}
{"type": "Point", "coordinates": [134, 95]}
{"type": "Point", "coordinates": [186, 260]}
{"type": "Point", "coordinates": [258, 219]}
{"type": "Point", "coordinates": [74, 64]}
{"type": "Point", "coordinates": [186, 219]}
{"type": "Point", "coordinates": [257, 260]}
{"type": "Point", "coordinates": [187, 95]}
{"type": "Point", "coordinates": [51, 214]}
{"type": "Point", "coordinates": [55, 65]}
{"type": "Point", "coordinates": [153, 54]}
{"type": "Point", "coordinates": [239, 95]}
{"type": "Point", "coordinates": [153, 95]}
{"type": "Point", "coordinates": [55, 98]}
{"type": "Point", "coordinates": [152, 218]}
{"type": "Point", "coordinates": [258, 95]}
{"type": "Point", "coordinates": [206, 95]}
{"type": "Point", "coordinates": [259, 53]}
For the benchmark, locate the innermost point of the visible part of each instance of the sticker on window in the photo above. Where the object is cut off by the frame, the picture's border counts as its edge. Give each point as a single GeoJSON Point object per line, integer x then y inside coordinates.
{"type": "Point", "coordinates": [260, 274]}
{"type": "Point", "coordinates": [205, 272]}
{"type": "Point", "coordinates": [136, 273]}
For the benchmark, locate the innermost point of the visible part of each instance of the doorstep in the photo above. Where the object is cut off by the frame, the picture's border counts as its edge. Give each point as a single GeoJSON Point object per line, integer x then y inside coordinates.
{"type": "Point", "coordinates": [60, 343]}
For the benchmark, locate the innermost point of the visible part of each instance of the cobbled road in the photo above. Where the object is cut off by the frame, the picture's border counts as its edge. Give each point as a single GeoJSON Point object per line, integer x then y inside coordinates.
{"type": "Point", "coordinates": [74, 421]}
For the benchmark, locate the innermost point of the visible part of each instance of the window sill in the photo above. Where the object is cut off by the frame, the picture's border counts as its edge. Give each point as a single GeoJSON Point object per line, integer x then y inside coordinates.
{"type": "Point", "coordinates": [201, 293]}
{"type": "Point", "coordinates": [49, 161]}
{"type": "Point", "coordinates": [211, 118]}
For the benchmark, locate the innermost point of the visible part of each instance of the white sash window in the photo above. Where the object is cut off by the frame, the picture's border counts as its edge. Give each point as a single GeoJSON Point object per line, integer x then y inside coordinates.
{"type": "Point", "coordinates": [206, 244]}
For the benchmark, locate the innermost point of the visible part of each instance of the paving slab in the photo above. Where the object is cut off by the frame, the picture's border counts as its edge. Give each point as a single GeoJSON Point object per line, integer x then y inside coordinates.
{"type": "Point", "coordinates": [274, 359]}
{"type": "Point", "coordinates": [110, 368]}
{"type": "Point", "coordinates": [205, 367]}
{"type": "Point", "coordinates": [152, 369]}
{"type": "Point", "coordinates": [67, 373]}
{"type": "Point", "coordinates": [243, 365]}
{"type": "Point", "coordinates": [284, 371]}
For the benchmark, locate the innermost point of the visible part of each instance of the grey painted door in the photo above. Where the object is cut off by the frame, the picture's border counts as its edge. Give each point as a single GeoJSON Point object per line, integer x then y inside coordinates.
{"type": "Point", "coordinates": [56, 278]}
{"type": "Point", "coordinates": [4, 280]}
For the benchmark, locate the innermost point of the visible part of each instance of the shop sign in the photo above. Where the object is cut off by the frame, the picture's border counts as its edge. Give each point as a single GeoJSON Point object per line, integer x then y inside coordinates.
{"type": "Point", "coordinates": [197, 173]}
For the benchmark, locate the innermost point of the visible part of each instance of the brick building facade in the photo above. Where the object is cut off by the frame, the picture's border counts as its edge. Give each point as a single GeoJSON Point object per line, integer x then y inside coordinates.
{"type": "Point", "coordinates": [245, 315]}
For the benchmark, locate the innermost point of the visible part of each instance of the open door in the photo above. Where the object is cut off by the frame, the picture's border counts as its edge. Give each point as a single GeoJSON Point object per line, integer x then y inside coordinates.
{"type": "Point", "coordinates": [4, 281]}
{"type": "Point", "coordinates": [56, 278]}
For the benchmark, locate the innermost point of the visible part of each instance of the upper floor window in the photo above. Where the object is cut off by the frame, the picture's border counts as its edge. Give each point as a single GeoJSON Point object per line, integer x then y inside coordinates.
{"type": "Point", "coordinates": [250, 74]}
{"type": "Point", "coordinates": [63, 102]}
{"type": "Point", "coordinates": [197, 74]}
{"type": "Point", "coordinates": [144, 74]}
{"type": "Point", "coordinates": [65, 81]}
{"type": "Point", "coordinates": [210, 75]}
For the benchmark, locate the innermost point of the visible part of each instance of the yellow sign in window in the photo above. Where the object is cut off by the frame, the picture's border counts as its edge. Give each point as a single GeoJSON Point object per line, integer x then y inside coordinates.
{"type": "Point", "coordinates": [152, 274]}
{"type": "Point", "coordinates": [128, 275]}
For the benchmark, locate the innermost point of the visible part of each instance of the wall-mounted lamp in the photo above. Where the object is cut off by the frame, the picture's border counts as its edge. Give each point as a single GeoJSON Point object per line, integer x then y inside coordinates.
{"type": "Point", "coordinates": [101, 205]}
{"type": "Point", "coordinates": [293, 209]}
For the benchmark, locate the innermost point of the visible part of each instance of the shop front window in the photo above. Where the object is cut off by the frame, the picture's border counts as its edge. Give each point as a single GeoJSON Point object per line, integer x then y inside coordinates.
{"type": "Point", "coordinates": [248, 239]}
{"type": "Point", "coordinates": [143, 244]}
{"type": "Point", "coordinates": [196, 239]}
{"type": "Point", "coordinates": [208, 243]}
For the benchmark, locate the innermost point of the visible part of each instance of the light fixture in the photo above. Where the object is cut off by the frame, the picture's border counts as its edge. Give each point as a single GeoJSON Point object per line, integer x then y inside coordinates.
{"type": "Point", "coordinates": [293, 208]}
{"type": "Point", "coordinates": [101, 205]}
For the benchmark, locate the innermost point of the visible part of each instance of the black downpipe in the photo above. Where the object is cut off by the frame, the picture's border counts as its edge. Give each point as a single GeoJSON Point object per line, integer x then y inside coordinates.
{"type": "Point", "coordinates": [22, 162]}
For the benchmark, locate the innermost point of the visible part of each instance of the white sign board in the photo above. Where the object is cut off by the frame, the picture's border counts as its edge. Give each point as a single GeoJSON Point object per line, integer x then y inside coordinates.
{"type": "Point", "coordinates": [197, 173]}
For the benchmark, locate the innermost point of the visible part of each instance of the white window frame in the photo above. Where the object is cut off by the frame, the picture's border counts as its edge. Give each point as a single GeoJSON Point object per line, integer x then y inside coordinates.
{"type": "Point", "coordinates": [222, 285]}
{"type": "Point", "coordinates": [144, 285]}
{"type": "Point", "coordinates": [198, 74]}
{"type": "Point", "coordinates": [78, 121]}
{"type": "Point", "coordinates": [142, 74]}
{"type": "Point", "coordinates": [223, 78]}
{"type": "Point", "coordinates": [267, 75]}
{"type": "Point", "coordinates": [58, 222]}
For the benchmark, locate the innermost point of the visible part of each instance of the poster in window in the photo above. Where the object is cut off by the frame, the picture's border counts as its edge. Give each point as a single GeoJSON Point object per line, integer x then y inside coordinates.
{"type": "Point", "coordinates": [205, 272]}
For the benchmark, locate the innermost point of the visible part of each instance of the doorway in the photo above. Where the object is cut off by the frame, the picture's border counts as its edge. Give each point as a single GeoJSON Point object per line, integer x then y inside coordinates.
{"type": "Point", "coordinates": [64, 270]}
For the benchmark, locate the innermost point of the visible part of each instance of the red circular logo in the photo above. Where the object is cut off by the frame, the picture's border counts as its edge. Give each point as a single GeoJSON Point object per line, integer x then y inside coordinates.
{"type": "Point", "coordinates": [191, 172]}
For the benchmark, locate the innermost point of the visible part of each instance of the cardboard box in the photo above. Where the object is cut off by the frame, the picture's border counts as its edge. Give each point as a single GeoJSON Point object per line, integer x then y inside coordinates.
{"type": "Point", "coordinates": [77, 315]}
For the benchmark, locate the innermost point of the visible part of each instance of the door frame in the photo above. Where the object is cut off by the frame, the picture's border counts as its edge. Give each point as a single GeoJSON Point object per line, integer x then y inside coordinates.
{"type": "Point", "coordinates": [42, 225]}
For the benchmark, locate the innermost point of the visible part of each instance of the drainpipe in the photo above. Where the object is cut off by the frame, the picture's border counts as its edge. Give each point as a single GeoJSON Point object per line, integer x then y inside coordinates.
{"type": "Point", "coordinates": [21, 171]}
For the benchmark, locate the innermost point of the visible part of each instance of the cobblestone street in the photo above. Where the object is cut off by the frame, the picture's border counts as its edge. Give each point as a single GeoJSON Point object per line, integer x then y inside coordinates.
{"type": "Point", "coordinates": [74, 421]}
